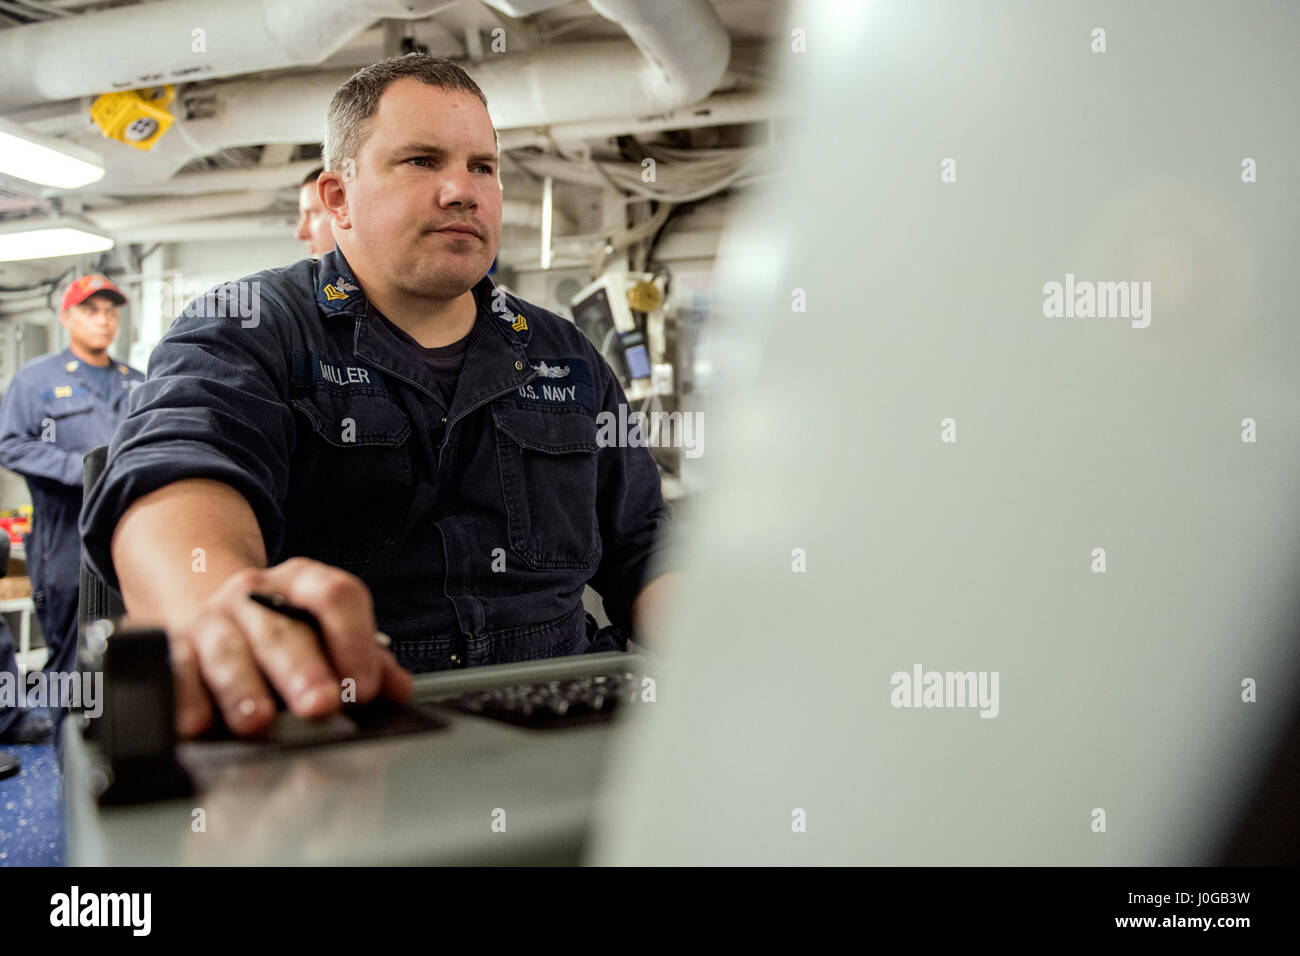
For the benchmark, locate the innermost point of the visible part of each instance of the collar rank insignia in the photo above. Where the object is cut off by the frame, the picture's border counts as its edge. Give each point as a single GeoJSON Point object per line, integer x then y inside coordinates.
{"type": "Point", "coordinates": [520, 324]}
{"type": "Point", "coordinates": [339, 288]}
{"type": "Point", "coordinates": [71, 367]}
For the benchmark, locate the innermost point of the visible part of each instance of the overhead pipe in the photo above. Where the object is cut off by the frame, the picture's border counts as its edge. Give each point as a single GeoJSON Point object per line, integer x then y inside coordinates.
{"type": "Point", "coordinates": [679, 52]}
{"type": "Point", "coordinates": [721, 109]}
{"type": "Point", "coordinates": [178, 41]}
{"type": "Point", "coordinates": [221, 180]}
{"type": "Point", "coordinates": [117, 220]}
{"type": "Point", "coordinates": [196, 219]}
{"type": "Point", "coordinates": [210, 230]}
{"type": "Point", "coordinates": [685, 46]}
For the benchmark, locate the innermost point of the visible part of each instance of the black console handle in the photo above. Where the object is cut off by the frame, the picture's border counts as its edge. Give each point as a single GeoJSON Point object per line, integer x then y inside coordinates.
{"type": "Point", "coordinates": [137, 731]}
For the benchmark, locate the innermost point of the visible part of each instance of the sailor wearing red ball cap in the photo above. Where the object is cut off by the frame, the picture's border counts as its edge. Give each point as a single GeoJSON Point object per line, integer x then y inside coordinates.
{"type": "Point", "coordinates": [57, 408]}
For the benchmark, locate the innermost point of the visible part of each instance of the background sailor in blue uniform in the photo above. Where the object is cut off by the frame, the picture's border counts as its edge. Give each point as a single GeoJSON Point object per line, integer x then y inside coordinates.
{"type": "Point", "coordinates": [383, 437]}
{"type": "Point", "coordinates": [57, 408]}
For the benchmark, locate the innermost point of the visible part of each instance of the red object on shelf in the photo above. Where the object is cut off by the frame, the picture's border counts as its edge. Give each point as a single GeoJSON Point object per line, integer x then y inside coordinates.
{"type": "Point", "coordinates": [15, 528]}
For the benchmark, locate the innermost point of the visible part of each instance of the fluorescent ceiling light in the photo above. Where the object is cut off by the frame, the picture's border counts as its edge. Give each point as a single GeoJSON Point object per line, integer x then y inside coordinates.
{"type": "Point", "coordinates": [29, 155]}
{"type": "Point", "coordinates": [46, 238]}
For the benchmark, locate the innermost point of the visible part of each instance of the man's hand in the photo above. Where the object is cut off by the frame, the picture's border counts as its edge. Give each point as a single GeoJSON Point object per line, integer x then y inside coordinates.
{"type": "Point", "coordinates": [232, 650]}
{"type": "Point", "coordinates": [226, 649]}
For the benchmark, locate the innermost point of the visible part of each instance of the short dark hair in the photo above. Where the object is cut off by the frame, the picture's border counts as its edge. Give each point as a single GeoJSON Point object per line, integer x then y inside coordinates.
{"type": "Point", "coordinates": [312, 176]}
{"type": "Point", "coordinates": [357, 99]}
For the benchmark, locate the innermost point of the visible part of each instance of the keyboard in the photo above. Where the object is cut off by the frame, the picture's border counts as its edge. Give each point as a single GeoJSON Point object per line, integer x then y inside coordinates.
{"type": "Point", "coordinates": [554, 703]}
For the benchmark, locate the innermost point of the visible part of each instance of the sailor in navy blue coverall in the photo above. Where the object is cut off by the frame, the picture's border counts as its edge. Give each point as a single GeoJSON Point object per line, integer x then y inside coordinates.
{"type": "Point", "coordinates": [57, 408]}
{"type": "Point", "coordinates": [475, 520]}
{"type": "Point", "coordinates": [383, 437]}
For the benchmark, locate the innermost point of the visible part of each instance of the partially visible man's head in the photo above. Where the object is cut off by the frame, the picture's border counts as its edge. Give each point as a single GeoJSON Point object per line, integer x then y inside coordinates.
{"type": "Point", "coordinates": [313, 217]}
{"type": "Point", "coordinates": [410, 155]}
{"type": "Point", "coordinates": [89, 313]}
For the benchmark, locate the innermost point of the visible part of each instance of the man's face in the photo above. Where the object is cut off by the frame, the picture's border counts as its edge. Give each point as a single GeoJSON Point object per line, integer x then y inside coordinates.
{"type": "Point", "coordinates": [429, 162]}
{"type": "Point", "coordinates": [314, 222]}
{"type": "Point", "coordinates": [92, 325]}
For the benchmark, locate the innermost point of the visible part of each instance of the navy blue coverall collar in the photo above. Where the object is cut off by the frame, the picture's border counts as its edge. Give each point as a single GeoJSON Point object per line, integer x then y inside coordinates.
{"type": "Point", "coordinates": [81, 369]}
{"type": "Point", "coordinates": [496, 359]}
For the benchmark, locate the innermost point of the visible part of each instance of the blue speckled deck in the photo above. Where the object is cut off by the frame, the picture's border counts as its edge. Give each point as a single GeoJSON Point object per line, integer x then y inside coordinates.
{"type": "Point", "coordinates": [31, 809]}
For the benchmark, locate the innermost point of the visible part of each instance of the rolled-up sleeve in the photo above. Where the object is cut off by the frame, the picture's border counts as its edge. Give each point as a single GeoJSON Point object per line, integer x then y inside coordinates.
{"type": "Point", "coordinates": [634, 520]}
{"type": "Point", "coordinates": [214, 405]}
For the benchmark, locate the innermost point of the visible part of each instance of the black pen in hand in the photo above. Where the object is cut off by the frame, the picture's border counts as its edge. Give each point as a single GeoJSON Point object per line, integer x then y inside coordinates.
{"type": "Point", "coordinates": [279, 604]}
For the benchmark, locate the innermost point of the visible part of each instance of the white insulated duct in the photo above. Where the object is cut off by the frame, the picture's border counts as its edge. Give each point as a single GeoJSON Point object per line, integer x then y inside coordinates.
{"type": "Point", "coordinates": [31, 303]}
{"type": "Point", "coordinates": [562, 85]}
{"type": "Point", "coordinates": [161, 211]}
{"type": "Point", "coordinates": [571, 84]}
{"type": "Point", "coordinates": [287, 109]}
{"type": "Point", "coordinates": [679, 53]}
{"type": "Point", "coordinates": [177, 41]}
{"type": "Point", "coordinates": [224, 230]}
{"type": "Point", "coordinates": [523, 8]}
{"type": "Point", "coordinates": [207, 218]}
{"type": "Point", "coordinates": [722, 109]}
{"type": "Point", "coordinates": [253, 178]}
{"type": "Point", "coordinates": [685, 46]}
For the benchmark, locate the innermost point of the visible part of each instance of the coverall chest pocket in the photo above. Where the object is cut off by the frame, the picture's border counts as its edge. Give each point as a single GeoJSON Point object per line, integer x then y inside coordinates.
{"type": "Point", "coordinates": [548, 480]}
{"type": "Point", "coordinates": [69, 423]}
{"type": "Point", "coordinates": [352, 486]}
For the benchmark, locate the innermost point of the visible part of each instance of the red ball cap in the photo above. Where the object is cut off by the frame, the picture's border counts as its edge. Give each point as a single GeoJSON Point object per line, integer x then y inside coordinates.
{"type": "Point", "coordinates": [82, 289]}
